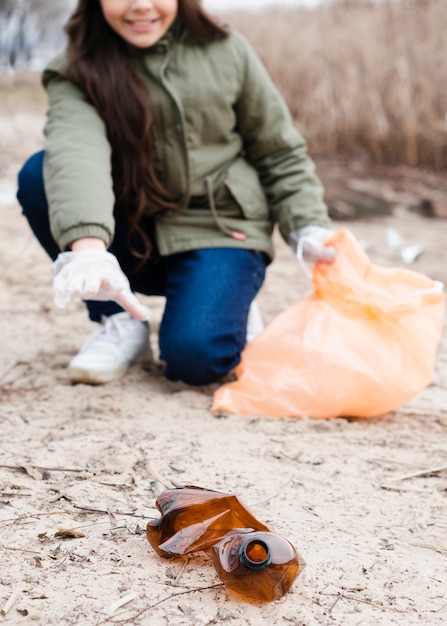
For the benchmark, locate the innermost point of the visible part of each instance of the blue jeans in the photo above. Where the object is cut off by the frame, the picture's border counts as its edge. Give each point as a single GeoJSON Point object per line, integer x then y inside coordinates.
{"type": "Point", "coordinates": [208, 291]}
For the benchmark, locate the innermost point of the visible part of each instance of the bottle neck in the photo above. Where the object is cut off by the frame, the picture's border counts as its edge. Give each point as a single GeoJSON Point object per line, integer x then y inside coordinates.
{"type": "Point", "coordinates": [255, 554]}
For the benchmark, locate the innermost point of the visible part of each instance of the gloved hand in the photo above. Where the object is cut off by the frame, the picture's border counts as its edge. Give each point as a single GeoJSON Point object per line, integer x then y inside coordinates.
{"type": "Point", "coordinates": [94, 275]}
{"type": "Point", "coordinates": [308, 244]}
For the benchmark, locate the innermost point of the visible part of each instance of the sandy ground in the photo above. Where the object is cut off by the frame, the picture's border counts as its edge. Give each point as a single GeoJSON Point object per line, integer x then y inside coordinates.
{"type": "Point", "coordinates": [363, 501]}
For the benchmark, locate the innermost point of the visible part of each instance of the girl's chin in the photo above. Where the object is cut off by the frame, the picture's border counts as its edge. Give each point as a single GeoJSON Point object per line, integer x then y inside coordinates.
{"type": "Point", "coordinates": [141, 40]}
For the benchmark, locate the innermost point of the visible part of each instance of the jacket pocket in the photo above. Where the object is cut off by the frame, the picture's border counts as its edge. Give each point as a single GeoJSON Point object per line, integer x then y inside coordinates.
{"type": "Point", "coordinates": [243, 183]}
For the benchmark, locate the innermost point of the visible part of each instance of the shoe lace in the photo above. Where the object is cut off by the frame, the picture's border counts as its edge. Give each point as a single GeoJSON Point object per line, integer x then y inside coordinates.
{"type": "Point", "coordinates": [112, 329]}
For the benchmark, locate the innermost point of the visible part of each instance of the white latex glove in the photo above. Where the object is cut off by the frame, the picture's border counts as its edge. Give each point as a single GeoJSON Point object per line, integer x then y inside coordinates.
{"type": "Point", "coordinates": [94, 275]}
{"type": "Point", "coordinates": [308, 244]}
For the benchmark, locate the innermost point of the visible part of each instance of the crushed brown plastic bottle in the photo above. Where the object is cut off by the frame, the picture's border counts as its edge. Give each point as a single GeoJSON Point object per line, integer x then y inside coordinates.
{"type": "Point", "coordinates": [257, 564]}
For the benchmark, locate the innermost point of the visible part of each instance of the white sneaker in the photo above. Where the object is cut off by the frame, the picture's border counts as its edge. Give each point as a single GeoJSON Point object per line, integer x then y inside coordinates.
{"type": "Point", "coordinates": [108, 352]}
{"type": "Point", "coordinates": [254, 323]}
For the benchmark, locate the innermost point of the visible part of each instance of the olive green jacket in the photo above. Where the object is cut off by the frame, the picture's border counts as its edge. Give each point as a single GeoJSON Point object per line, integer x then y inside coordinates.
{"type": "Point", "coordinates": [224, 138]}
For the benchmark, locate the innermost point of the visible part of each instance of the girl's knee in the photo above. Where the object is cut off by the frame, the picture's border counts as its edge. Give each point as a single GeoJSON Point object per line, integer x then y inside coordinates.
{"type": "Point", "coordinates": [200, 360]}
{"type": "Point", "coordinates": [30, 182]}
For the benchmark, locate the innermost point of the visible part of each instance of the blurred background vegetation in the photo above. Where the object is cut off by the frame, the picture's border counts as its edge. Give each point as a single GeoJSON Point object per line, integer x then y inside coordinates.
{"type": "Point", "coordinates": [361, 78]}
{"type": "Point", "coordinates": [30, 32]}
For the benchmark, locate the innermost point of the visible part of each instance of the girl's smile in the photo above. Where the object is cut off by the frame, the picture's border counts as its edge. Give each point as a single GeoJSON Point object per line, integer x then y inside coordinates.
{"type": "Point", "coordinates": [140, 22]}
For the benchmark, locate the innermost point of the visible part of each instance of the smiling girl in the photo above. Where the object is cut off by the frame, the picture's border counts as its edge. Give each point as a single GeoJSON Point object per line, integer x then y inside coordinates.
{"type": "Point", "coordinates": [139, 24]}
{"type": "Point", "coordinates": [169, 158]}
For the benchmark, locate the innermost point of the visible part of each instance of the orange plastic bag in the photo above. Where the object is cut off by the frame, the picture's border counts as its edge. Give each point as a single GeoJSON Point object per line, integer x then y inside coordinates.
{"type": "Point", "coordinates": [361, 345]}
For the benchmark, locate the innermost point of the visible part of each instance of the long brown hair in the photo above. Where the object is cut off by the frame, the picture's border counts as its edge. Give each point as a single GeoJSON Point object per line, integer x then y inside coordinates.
{"type": "Point", "coordinates": [100, 66]}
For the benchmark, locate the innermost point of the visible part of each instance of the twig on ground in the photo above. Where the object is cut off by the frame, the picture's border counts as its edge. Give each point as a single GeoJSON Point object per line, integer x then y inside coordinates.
{"type": "Point", "coordinates": [375, 604]}
{"type": "Point", "coordinates": [182, 569]}
{"type": "Point", "coordinates": [166, 482]}
{"type": "Point", "coordinates": [429, 546]}
{"type": "Point", "coordinates": [24, 468]}
{"type": "Point", "coordinates": [87, 509]}
{"type": "Point", "coordinates": [121, 602]}
{"type": "Point", "coordinates": [334, 603]}
{"type": "Point", "coordinates": [11, 601]}
{"type": "Point", "coordinates": [343, 596]}
{"type": "Point", "coordinates": [20, 550]}
{"type": "Point", "coordinates": [131, 620]}
{"type": "Point", "coordinates": [427, 472]}
{"type": "Point", "coordinates": [22, 518]}
{"type": "Point", "coordinates": [81, 511]}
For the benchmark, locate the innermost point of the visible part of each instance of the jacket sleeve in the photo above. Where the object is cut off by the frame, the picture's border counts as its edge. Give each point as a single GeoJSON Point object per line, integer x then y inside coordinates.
{"type": "Point", "coordinates": [77, 164]}
{"type": "Point", "coordinates": [277, 150]}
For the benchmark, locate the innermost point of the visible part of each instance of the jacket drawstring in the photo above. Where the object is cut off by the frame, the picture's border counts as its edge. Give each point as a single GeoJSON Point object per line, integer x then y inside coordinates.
{"type": "Point", "coordinates": [232, 233]}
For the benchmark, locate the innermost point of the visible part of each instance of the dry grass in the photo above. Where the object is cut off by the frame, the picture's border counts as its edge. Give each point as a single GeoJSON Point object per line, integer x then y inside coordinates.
{"type": "Point", "coordinates": [360, 76]}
